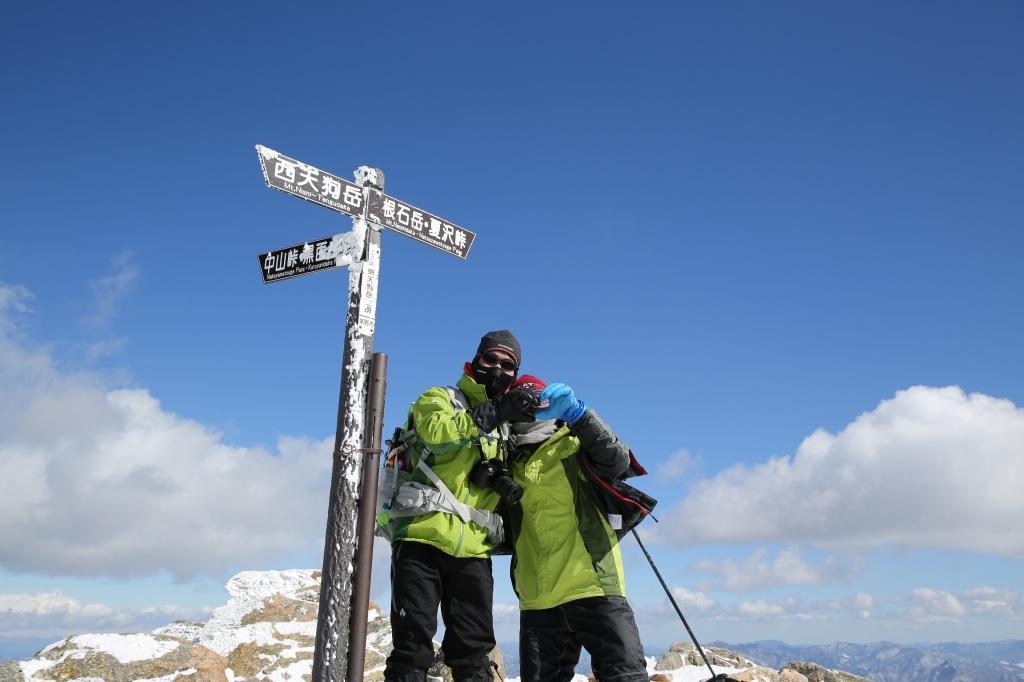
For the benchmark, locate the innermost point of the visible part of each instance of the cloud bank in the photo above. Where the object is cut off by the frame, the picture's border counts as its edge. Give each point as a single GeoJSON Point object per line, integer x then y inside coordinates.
{"type": "Point", "coordinates": [914, 608]}
{"type": "Point", "coordinates": [46, 613]}
{"type": "Point", "coordinates": [787, 568]}
{"type": "Point", "coordinates": [932, 467]}
{"type": "Point", "coordinates": [99, 482]}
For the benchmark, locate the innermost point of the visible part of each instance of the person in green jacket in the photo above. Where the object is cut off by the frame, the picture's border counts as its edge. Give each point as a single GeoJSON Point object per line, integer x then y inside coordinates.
{"type": "Point", "coordinates": [567, 568]}
{"type": "Point", "coordinates": [442, 534]}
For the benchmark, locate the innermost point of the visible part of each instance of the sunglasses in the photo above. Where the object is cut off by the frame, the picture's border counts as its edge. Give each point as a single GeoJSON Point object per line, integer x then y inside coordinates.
{"type": "Point", "coordinates": [492, 360]}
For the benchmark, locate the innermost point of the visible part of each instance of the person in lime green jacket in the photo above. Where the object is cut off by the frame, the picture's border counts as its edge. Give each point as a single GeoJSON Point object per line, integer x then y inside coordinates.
{"type": "Point", "coordinates": [567, 568]}
{"type": "Point", "coordinates": [443, 533]}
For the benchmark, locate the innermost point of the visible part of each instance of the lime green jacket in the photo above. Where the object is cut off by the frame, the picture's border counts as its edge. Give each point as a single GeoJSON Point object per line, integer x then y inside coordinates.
{"type": "Point", "coordinates": [455, 446]}
{"type": "Point", "coordinates": [564, 547]}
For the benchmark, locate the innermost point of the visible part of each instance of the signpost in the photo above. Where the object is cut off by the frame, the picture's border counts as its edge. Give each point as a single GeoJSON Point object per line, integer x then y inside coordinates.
{"type": "Point", "coordinates": [418, 224]}
{"type": "Point", "coordinates": [301, 259]}
{"type": "Point", "coordinates": [348, 545]}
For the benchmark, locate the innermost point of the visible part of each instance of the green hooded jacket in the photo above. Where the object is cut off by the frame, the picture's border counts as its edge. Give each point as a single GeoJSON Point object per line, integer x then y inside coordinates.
{"type": "Point", "coordinates": [564, 547]}
{"type": "Point", "coordinates": [455, 446]}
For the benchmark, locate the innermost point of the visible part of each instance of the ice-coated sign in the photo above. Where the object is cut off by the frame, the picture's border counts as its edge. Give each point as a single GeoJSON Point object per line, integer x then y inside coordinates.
{"type": "Point", "coordinates": [297, 260]}
{"type": "Point", "coordinates": [418, 224]}
{"type": "Point", "coordinates": [312, 184]}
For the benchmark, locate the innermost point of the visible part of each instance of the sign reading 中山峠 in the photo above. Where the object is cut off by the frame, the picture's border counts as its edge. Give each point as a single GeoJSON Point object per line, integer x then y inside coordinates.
{"type": "Point", "coordinates": [312, 184]}
{"type": "Point", "coordinates": [301, 259]}
{"type": "Point", "coordinates": [418, 224]}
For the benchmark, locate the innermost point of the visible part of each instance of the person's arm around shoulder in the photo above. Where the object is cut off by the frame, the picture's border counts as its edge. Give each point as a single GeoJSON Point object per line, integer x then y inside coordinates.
{"type": "Point", "coordinates": [606, 451]}
{"type": "Point", "coordinates": [438, 425]}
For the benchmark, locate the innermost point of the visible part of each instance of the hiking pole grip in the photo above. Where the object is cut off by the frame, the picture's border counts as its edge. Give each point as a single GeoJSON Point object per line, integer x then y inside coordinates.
{"type": "Point", "coordinates": [676, 607]}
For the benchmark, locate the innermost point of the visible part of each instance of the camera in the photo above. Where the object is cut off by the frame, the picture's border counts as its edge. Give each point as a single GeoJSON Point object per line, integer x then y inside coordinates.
{"type": "Point", "coordinates": [492, 473]}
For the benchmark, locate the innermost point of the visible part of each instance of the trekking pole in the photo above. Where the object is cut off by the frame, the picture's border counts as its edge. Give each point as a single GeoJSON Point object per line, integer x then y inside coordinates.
{"type": "Point", "coordinates": [714, 676]}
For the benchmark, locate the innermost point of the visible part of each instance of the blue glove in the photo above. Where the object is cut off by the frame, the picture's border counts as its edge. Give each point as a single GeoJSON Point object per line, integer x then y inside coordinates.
{"type": "Point", "coordinates": [563, 404]}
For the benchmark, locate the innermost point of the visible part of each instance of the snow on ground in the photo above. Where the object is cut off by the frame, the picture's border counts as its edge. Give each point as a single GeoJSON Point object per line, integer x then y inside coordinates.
{"type": "Point", "coordinates": [127, 648]}
{"type": "Point", "coordinates": [688, 673]}
{"type": "Point", "coordinates": [248, 590]}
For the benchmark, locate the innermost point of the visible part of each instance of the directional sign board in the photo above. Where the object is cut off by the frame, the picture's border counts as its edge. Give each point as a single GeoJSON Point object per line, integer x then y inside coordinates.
{"type": "Point", "coordinates": [418, 224]}
{"type": "Point", "coordinates": [312, 184]}
{"type": "Point", "coordinates": [297, 260]}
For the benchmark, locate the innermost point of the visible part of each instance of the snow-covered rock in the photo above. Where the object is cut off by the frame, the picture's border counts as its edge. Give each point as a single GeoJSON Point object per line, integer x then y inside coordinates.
{"type": "Point", "coordinates": [266, 631]}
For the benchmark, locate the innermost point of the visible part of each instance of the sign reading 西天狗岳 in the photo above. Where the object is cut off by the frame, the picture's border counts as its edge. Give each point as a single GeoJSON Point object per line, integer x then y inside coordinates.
{"type": "Point", "coordinates": [301, 259]}
{"type": "Point", "coordinates": [418, 224]}
{"type": "Point", "coordinates": [312, 184]}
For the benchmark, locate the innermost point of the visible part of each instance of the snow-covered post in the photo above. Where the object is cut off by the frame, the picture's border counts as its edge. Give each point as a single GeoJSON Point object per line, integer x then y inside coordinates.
{"type": "Point", "coordinates": [359, 249]}
{"type": "Point", "coordinates": [332, 630]}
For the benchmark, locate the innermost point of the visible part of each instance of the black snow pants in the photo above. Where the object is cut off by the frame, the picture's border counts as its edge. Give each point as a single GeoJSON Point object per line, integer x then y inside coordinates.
{"type": "Point", "coordinates": [423, 577]}
{"type": "Point", "coordinates": [550, 641]}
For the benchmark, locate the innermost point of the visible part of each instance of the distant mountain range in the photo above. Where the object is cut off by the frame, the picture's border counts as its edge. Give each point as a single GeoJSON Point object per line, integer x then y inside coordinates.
{"type": "Point", "coordinates": [21, 648]}
{"type": "Point", "coordinates": [887, 662]}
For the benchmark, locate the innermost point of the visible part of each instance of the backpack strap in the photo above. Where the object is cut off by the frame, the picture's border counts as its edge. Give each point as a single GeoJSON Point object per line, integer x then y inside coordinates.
{"type": "Point", "coordinates": [463, 510]}
{"type": "Point", "coordinates": [415, 499]}
{"type": "Point", "coordinates": [458, 399]}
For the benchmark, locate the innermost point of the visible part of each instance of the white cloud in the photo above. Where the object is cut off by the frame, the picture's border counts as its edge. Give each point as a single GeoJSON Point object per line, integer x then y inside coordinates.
{"type": "Point", "coordinates": [104, 348]}
{"type": "Point", "coordinates": [676, 466]}
{"type": "Point", "coordinates": [690, 603]}
{"type": "Point", "coordinates": [12, 297]}
{"type": "Point", "coordinates": [100, 482]}
{"type": "Point", "coordinates": [932, 467]}
{"type": "Point", "coordinates": [927, 605]}
{"type": "Point", "coordinates": [693, 600]}
{"type": "Point", "coordinates": [791, 608]}
{"type": "Point", "coordinates": [52, 613]}
{"type": "Point", "coordinates": [786, 568]}
{"type": "Point", "coordinates": [505, 614]}
{"type": "Point", "coordinates": [109, 291]}
{"type": "Point", "coordinates": [918, 607]}
{"type": "Point", "coordinates": [759, 608]}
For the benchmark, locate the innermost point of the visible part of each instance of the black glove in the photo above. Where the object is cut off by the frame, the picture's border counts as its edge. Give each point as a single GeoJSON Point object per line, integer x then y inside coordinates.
{"type": "Point", "coordinates": [517, 405]}
{"type": "Point", "coordinates": [485, 415]}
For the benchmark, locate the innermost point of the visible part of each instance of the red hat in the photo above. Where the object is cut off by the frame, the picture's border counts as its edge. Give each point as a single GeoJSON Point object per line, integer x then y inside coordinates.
{"type": "Point", "coordinates": [531, 382]}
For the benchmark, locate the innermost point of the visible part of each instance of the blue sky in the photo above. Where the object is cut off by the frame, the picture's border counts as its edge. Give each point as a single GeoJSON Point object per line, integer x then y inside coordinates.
{"type": "Point", "coordinates": [728, 226]}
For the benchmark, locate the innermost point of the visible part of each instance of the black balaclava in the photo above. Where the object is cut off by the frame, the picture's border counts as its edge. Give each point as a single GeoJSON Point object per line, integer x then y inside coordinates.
{"type": "Point", "coordinates": [493, 379]}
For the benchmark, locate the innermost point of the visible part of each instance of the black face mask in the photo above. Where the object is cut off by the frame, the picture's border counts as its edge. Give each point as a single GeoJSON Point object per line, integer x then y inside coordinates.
{"type": "Point", "coordinates": [493, 379]}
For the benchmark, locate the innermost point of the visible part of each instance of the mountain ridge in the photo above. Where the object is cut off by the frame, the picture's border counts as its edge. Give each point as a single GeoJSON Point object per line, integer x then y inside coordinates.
{"type": "Point", "coordinates": [1000, 661]}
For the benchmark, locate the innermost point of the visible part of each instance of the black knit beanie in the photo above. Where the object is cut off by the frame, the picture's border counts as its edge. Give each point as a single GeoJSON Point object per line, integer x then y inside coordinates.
{"type": "Point", "coordinates": [502, 340]}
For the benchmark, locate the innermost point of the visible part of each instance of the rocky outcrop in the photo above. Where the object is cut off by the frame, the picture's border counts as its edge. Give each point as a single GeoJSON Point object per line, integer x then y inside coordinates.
{"type": "Point", "coordinates": [266, 631]}
{"type": "Point", "coordinates": [816, 673]}
{"type": "Point", "coordinates": [679, 661]}
{"type": "Point", "coordinates": [126, 658]}
{"type": "Point", "coordinates": [11, 672]}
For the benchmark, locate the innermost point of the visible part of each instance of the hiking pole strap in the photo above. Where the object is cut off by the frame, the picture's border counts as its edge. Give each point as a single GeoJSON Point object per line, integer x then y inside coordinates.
{"type": "Point", "coordinates": [674, 605]}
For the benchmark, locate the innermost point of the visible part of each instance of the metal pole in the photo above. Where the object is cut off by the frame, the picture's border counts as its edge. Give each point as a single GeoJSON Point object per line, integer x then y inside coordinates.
{"type": "Point", "coordinates": [332, 628]}
{"type": "Point", "coordinates": [719, 676]}
{"type": "Point", "coordinates": [367, 517]}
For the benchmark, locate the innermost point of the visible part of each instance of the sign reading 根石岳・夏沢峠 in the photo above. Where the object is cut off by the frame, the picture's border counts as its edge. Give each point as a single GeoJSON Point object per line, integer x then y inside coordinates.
{"type": "Point", "coordinates": [416, 223]}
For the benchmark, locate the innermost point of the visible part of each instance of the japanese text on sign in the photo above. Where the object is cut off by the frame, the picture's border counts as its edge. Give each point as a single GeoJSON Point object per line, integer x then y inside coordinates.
{"type": "Point", "coordinates": [309, 183]}
{"type": "Point", "coordinates": [368, 290]}
{"type": "Point", "coordinates": [418, 224]}
{"type": "Point", "coordinates": [297, 260]}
